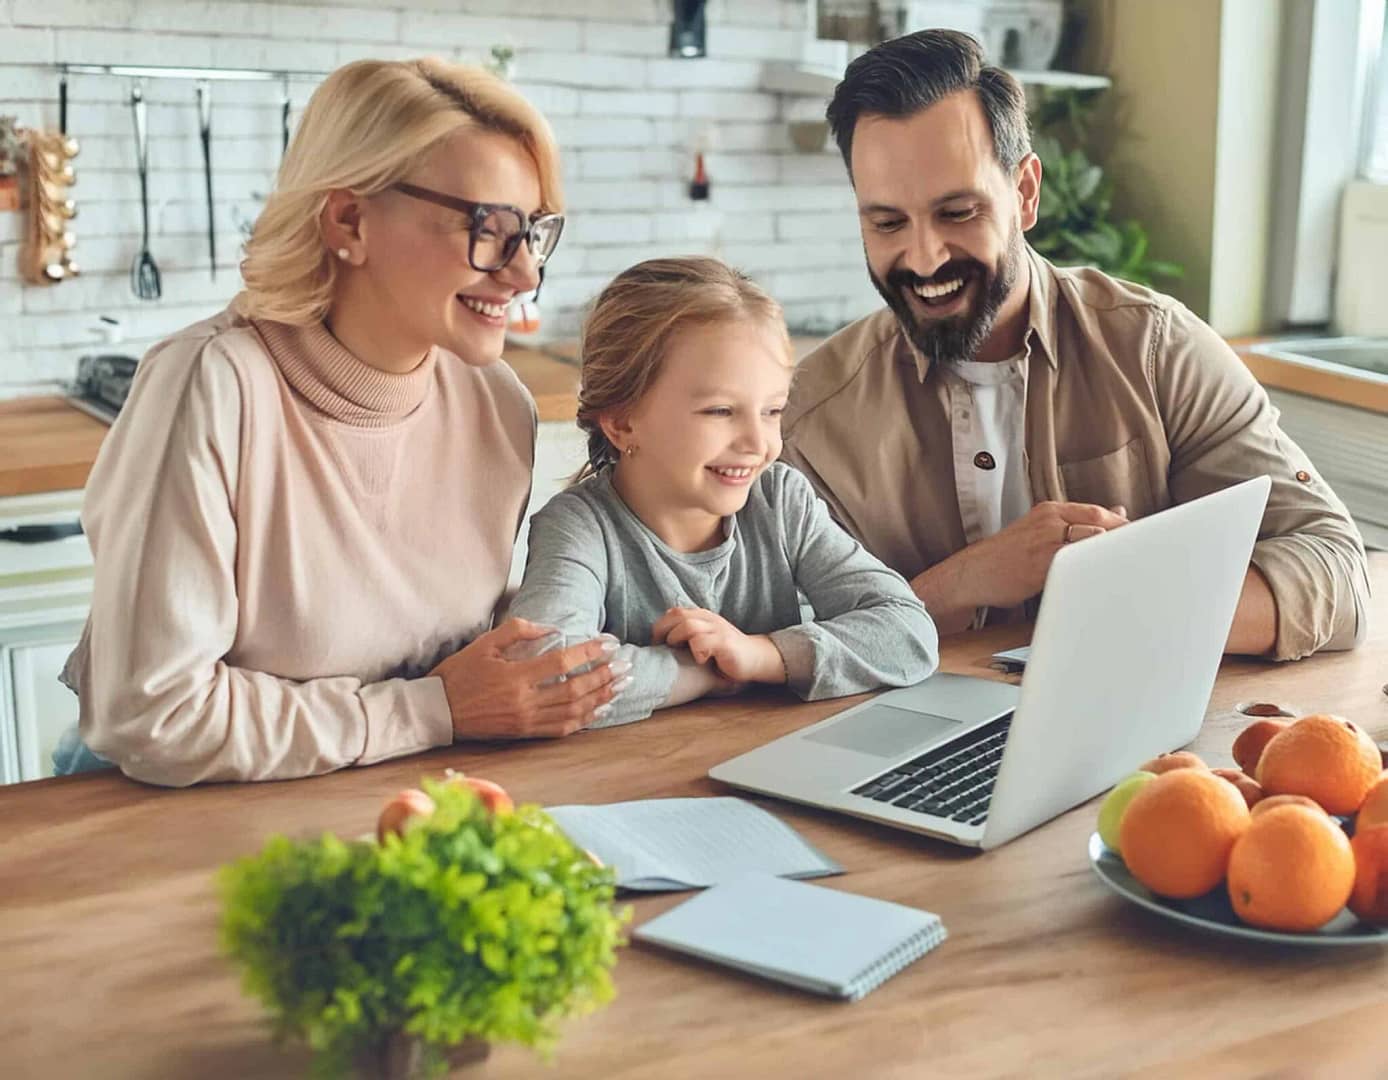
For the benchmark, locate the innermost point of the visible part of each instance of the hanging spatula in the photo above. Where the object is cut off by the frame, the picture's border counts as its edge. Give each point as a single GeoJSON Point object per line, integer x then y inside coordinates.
{"type": "Point", "coordinates": [205, 130]}
{"type": "Point", "coordinates": [144, 273]}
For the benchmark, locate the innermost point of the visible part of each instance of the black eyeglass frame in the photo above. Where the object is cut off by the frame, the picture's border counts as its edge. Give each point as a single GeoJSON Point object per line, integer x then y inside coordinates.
{"type": "Point", "coordinates": [477, 212]}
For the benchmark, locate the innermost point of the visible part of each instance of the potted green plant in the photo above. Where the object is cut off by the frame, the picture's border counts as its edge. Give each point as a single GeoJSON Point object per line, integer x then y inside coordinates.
{"type": "Point", "coordinates": [468, 926]}
{"type": "Point", "coordinates": [1074, 224]}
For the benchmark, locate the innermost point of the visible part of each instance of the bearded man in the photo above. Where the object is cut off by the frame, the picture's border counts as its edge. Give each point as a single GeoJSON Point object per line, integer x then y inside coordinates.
{"type": "Point", "coordinates": [1000, 406]}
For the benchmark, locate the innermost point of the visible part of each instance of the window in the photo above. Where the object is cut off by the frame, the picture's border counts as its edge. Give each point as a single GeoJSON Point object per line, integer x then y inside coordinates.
{"type": "Point", "coordinates": [1376, 151]}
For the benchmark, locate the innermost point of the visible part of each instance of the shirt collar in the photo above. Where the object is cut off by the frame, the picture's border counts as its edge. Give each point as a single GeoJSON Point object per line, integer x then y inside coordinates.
{"type": "Point", "coordinates": [1041, 301]}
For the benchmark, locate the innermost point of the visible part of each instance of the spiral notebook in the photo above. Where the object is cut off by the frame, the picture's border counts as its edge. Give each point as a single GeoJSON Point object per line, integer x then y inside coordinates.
{"type": "Point", "coordinates": [822, 940]}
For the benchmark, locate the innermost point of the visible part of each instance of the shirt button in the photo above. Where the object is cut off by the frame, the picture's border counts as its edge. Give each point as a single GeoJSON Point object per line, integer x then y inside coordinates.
{"type": "Point", "coordinates": [1303, 476]}
{"type": "Point", "coordinates": [984, 460]}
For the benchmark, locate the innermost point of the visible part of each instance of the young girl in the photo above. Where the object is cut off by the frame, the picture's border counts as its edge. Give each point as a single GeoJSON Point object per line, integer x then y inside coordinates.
{"type": "Point", "coordinates": [683, 536]}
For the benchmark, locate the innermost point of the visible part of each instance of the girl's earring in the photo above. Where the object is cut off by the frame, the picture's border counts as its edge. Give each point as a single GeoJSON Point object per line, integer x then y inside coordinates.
{"type": "Point", "coordinates": [630, 450]}
{"type": "Point", "coordinates": [343, 253]}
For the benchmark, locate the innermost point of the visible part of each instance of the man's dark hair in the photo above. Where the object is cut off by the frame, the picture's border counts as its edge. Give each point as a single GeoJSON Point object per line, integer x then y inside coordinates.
{"type": "Point", "coordinates": [907, 74]}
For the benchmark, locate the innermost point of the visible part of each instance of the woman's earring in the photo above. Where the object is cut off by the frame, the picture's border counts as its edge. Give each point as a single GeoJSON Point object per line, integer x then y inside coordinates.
{"type": "Point", "coordinates": [630, 450]}
{"type": "Point", "coordinates": [342, 254]}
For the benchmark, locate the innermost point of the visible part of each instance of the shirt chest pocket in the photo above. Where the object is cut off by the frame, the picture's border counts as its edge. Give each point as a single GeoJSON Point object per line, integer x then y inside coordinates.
{"type": "Point", "coordinates": [1118, 478]}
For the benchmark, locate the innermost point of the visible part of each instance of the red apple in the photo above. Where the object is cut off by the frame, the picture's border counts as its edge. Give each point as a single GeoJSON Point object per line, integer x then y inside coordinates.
{"type": "Point", "coordinates": [407, 804]}
{"type": "Point", "coordinates": [493, 796]}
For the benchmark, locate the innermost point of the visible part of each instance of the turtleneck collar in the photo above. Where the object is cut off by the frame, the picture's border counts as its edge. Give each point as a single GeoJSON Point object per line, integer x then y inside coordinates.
{"type": "Point", "coordinates": [336, 383]}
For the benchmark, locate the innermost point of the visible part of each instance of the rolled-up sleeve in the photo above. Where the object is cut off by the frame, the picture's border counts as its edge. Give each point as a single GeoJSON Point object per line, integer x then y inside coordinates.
{"type": "Point", "coordinates": [1222, 428]}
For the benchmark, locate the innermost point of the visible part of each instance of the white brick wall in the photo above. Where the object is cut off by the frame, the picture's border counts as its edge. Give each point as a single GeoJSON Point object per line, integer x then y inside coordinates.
{"type": "Point", "coordinates": [628, 118]}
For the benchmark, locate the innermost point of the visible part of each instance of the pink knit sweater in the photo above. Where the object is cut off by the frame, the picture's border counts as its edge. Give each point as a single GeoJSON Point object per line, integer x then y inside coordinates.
{"type": "Point", "coordinates": [286, 541]}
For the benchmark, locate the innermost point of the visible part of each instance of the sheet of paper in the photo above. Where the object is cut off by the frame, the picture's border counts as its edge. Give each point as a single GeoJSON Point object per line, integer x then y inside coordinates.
{"type": "Point", "coordinates": [665, 844]}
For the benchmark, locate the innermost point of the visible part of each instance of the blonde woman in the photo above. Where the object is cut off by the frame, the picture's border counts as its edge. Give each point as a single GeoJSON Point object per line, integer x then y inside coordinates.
{"type": "Point", "coordinates": [304, 517]}
{"type": "Point", "coordinates": [687, 540]}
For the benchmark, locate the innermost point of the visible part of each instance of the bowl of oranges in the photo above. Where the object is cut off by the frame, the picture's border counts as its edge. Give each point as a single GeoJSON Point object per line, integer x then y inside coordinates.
{"type": "Point", "coordinates": [1291, 846]}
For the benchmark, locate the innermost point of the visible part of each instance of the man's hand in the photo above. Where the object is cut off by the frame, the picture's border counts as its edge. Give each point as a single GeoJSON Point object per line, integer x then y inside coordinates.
{"type": "Point", "coordinates": [710, 638]}
{"type": "Point", "coordinates": [1010, 567]}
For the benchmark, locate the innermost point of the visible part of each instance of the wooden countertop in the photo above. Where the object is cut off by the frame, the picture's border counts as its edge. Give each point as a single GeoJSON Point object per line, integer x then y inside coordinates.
{"type": "Point", "coordinates": [1274, 372]}
{"type": "Point", "coordinates": [48, 445]}
{"type": "Point", "coordinates": [110, 964]}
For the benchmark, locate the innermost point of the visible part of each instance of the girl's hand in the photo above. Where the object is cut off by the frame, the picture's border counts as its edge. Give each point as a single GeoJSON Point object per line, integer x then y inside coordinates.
{"type": "Point", "coordinates": [491, 697]}
{"type": "Point", "coordinates": [710, 638]}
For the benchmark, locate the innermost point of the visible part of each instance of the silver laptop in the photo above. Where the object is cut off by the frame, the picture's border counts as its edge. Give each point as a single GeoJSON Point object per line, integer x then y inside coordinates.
{"type": "Point", "coordinates": [1123, 658]}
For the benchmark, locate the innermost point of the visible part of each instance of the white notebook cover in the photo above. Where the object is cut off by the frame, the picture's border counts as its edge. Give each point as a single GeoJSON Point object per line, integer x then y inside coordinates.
{"type": "Point", "coordinates": [818, 939]}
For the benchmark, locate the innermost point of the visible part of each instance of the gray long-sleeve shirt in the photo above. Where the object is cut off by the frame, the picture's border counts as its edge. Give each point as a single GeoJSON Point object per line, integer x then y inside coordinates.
{"type": "Point", "coordinates": [594, 566]}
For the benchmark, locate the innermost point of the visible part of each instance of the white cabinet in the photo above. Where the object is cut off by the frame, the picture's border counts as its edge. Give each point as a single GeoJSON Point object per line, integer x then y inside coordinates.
{"type": "Point", "coordinates": [40, 707]}
{"type": "Point", "coordinates": [45, 592]}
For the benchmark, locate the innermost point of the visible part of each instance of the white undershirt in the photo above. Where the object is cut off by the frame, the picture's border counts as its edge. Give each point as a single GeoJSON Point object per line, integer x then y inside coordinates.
{"type": "Point", "coordinates": [988, 424]}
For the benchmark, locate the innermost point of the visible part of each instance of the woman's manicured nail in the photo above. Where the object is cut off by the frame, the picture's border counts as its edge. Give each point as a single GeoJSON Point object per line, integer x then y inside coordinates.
{"type": "Point", "coordinates": [610, 645]}
{"type": "Point", "coordinates": [621, 684]}
{"type": "Point", "coordinates": [602, 710]}
{"type": "Point", "coordinates": [619, 667]}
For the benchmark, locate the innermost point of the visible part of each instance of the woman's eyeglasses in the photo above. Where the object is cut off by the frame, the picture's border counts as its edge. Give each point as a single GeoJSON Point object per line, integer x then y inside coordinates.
{"type": "Point", "coordinates": [495, 231]}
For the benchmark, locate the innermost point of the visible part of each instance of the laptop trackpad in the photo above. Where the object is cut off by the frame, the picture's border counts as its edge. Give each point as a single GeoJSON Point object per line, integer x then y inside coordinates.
{"type": "Point", "coordinates": [883, 731]}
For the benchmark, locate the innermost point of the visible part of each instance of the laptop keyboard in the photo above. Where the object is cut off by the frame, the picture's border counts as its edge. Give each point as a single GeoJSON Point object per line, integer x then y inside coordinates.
{"type": "Point", "coordinates": [953, 781]}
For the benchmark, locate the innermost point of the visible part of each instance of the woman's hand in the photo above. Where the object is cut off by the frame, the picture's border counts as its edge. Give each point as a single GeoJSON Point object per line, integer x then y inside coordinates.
{"type": "Point", "coordinates": [491, 697]}
{"type": "Point", "coordinates": [738, 657]}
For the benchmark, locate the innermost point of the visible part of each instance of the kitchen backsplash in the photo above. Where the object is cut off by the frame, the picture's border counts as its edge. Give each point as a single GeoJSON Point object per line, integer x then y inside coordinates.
{"type": "Point", "coordinates": [628, 118]}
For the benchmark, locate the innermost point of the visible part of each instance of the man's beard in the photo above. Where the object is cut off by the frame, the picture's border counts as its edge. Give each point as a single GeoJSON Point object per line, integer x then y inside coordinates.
{"type": "Point", "coordinates": [959, 337]}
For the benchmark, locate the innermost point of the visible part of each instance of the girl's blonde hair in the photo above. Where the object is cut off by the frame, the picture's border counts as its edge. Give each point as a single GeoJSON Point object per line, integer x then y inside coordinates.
{"type": "Point", "coordinates": [369, 124]}
{"type": "Point", "coordinates": [633, 320]}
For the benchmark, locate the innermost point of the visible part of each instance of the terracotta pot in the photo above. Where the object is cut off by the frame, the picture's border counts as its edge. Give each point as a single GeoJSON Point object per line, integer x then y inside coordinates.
{"type": "Point", "coordinates": [401, 1057]}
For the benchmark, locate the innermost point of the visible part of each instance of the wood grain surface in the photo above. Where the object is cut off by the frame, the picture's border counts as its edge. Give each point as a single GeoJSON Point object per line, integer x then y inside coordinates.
{"type": "Point", "coordinates": [109, 964]}
{"type": "Point", "coordinates": [47, 445]}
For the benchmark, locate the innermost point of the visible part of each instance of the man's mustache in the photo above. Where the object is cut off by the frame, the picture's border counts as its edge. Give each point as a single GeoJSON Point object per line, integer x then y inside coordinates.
{"type": "Point", "coordinates": [952, 271]}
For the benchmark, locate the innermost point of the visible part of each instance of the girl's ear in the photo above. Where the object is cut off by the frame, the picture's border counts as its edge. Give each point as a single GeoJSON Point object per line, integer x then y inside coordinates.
{"type": "Point", "coordinates": [617, 427]}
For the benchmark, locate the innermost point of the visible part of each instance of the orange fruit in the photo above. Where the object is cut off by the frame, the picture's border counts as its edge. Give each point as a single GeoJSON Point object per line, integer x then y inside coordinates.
{"type": "Point", "coordinates": [1247, 786]}
{"type": "Point", "coordinates": [1271, 802]}
{"type": "Point", "coordinates": [1369, 900]}
{"type": "Point", "coordinates": [1292, 869]}
{"type": "Point", "coordinates": [1374, 809]}
{"type": "Point", "coordinates": [1327, 758]}
{"type": "Point", "coordinates": [1177, 832]}
{"type": "Point", "coordinates": [1178, 759]}
{"type": "Point", "coordinates": [1248, 747]}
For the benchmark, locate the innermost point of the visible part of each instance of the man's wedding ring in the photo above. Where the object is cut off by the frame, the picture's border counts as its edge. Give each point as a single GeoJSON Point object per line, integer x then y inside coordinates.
{"type": "Point", "coordinates": [1069, 534]}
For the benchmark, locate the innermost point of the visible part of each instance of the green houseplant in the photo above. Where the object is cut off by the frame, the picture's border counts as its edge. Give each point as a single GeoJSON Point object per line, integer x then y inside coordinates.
{"type": "Point", "coordinates": [1074, 225]}
{"type": "Point", "coordinates": [470, 928]}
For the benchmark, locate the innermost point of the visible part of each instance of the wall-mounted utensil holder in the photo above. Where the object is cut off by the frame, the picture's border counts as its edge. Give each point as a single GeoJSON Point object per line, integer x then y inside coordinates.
{"type": "Point", "coordinates": [46, 257]}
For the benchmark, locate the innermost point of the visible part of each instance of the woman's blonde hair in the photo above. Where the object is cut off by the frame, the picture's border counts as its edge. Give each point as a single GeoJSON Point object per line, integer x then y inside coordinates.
{"type": "Point", "coordinates": [633, 320]}
{"type": "Point", "coordinates": [369, 124]}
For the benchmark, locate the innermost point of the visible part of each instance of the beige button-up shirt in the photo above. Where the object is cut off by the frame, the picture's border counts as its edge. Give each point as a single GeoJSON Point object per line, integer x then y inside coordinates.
{"type": "Point", "coordinates": [1130, 401]}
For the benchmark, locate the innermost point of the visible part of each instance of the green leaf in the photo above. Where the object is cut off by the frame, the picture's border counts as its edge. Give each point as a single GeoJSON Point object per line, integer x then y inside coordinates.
{"type": "Point", "coordinates": [1087, 181]}
{"type": "Point", "coordinates": [469, 924]}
